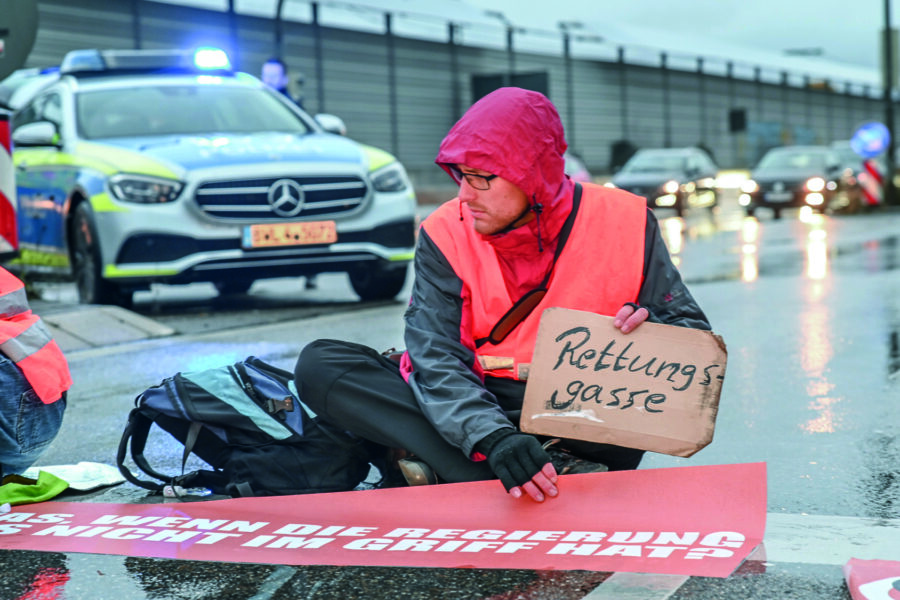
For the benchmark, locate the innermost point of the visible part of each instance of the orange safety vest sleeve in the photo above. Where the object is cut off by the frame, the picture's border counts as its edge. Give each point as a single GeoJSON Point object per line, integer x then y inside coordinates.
{"type": "Point", "coordinates": [25, 340]}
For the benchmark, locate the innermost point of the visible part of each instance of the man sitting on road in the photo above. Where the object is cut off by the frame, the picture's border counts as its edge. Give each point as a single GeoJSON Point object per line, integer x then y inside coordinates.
{"type": "Point", "coordinates": [454, 399]}
{"type": "Point", "coordinates": [34, 377]}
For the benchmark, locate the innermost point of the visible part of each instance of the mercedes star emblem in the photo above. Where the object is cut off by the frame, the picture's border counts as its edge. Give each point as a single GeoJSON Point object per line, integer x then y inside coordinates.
{"type": "Point", "coordinates": [286, 198]}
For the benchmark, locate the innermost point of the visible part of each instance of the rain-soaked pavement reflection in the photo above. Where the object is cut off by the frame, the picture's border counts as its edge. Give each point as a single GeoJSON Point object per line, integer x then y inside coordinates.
{"type": "Point", "coordinates": [749, 249]}
{"type": "Point", "coordinates": [29, 575]}
{"type": "Point", "coordinates": [813, 333]}
{"type": "Point", "coordinates": [798, 244]}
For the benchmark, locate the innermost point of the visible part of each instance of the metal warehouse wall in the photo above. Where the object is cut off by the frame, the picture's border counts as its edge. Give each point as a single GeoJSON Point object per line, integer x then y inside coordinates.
{"type": "Point", "coordinates": [403, 94]}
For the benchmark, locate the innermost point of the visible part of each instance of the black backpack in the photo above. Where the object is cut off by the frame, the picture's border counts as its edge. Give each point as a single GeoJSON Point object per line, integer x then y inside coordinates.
{"type": "Point", "coordinates": [247, 422]}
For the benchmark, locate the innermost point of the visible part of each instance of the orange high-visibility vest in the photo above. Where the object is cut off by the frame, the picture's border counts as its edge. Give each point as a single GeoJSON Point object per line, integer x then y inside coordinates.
{"type": "Point", "coordinates": [599, 270]}
{"type": "Point", "coordinates": [25, 340]}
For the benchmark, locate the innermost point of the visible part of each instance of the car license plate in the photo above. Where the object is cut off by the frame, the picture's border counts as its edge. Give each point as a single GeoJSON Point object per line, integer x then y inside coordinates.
{"type": "Point", "coordinates": [266, 235]}
{"type": "Point", "coordinates": [779, 196]}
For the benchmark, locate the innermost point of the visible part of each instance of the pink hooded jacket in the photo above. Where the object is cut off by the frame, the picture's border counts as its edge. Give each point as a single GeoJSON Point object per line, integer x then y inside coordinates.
{"type": "Point", "coordinates": [517, 134]}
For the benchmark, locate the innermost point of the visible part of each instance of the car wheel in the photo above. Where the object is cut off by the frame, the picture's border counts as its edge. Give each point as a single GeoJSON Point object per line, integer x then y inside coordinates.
{"type": "Point", "coordinates": [750, 211]}
{"type": "Point", "coordinates": [679, 207]}
{"type": "Point", "coordinates": [87, 265]}
{"type": "Point", "coordinates": [233, 287]}
{"type": "Point", "coordinates": [377, 283]}
{"type": "Point", "coordinates": [776, 213]}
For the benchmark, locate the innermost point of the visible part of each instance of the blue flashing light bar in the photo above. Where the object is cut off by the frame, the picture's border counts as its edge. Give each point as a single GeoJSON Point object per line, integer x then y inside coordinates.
{"type": "Point", "coordinates": [211, 59]}
{"type": "Point", "coordinates": [206, 59]}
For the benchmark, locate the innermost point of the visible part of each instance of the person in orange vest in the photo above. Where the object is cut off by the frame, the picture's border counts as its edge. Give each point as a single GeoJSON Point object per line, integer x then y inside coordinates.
{"type": "Point", "coordinates": [520, 236]}
{"type": "Point", "coordinates": [34, 379]}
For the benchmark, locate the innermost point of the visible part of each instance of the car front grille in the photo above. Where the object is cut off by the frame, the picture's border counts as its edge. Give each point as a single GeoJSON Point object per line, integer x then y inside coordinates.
{"type": "Point", "coordinates": [249, 199]}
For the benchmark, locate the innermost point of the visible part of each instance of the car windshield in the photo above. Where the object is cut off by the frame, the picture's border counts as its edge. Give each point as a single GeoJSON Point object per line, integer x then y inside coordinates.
{"type": "Point", "coordinates": [846, 155]}
{"type": "Point", "coordinates": [182, 109]}
{"type": "Point", "coordinates": [794, 159]}
{"type": "Point", "coordinates": [654, 162]}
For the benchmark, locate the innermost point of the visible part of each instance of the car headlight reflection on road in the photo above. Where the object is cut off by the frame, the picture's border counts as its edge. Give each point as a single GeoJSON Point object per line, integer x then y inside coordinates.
{"type": "Point", "coordinates": [143, 189]}
{"type": "Point", "coordinates": [815, 184]}
{"type": "Point", "coordinates": [815, 199]}
{"type": "Point", "coordinates": [391, 178]}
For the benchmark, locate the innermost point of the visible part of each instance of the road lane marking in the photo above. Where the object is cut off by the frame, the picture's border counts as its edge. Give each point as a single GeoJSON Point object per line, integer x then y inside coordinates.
{"type": "Point", "coordinates": [637, 586]}
{"type": "Point", "coordinates": [830, 540]}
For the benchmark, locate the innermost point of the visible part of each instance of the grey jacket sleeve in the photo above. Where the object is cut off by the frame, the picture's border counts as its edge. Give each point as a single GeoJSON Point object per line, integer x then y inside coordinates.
{"type": "Point", "coordinates": [450, 394]}
{"type": "Point", "coordinates": [663, 292]}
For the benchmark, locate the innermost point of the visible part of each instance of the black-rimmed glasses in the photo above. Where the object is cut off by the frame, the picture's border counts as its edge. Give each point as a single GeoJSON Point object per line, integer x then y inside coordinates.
{"type": "Point", "coordinates": [478, 182]}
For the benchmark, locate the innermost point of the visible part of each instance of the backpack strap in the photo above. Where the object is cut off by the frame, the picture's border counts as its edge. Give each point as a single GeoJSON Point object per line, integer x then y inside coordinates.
{"type": "Point", "coordinates": [136, 432]}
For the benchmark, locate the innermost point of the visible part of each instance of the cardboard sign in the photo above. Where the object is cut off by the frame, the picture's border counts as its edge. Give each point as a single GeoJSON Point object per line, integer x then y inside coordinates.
{"type": "Point", "coordinates": [656, 388]}
{"type": "Point", "coordinates": [683, 521]}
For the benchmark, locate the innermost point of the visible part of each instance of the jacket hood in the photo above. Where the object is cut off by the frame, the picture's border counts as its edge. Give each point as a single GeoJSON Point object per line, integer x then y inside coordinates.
{"type": "Point", "coordinates": [516, 134]}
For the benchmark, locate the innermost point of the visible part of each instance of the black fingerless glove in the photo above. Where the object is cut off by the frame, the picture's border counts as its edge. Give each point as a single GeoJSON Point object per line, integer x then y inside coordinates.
{"type": "Point", "coordinates": [513, 456]}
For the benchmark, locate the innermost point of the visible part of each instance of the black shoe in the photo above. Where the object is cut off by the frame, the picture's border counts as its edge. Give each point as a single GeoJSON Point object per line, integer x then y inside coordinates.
{"type": "Point", "coordinates": [567, 463]}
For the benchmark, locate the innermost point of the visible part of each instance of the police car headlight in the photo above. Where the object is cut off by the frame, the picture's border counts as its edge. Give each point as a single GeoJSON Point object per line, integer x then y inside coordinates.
{"type": "Point", "coordinates": [143, 189]}
{"type": "Point", "coordinates": [391, 178]}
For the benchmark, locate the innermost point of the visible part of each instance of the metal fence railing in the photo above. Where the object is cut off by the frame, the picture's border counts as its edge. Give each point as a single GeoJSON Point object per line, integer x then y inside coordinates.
{"type": "Point", "coordinates": [399, 79]}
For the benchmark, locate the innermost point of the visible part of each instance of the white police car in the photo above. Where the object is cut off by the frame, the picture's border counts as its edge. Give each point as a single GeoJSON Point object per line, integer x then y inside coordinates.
{"type": "Point", "coordinates": [134, 167]}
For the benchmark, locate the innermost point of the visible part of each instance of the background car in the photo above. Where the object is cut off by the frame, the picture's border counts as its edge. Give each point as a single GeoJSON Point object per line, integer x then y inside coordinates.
{"type": "Point", "coordinates": [144, 166]}
{"type": "Point", "coordinates": [575, 168]}
{"type": "Point", "coordinates": [676, 178]}
{"type": "Point", "coordinates": [792, 177]}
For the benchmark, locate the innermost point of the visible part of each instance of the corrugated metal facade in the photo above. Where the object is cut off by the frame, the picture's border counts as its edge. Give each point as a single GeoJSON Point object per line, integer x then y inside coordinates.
{"type": "Point", "coordinates": [349, 73]}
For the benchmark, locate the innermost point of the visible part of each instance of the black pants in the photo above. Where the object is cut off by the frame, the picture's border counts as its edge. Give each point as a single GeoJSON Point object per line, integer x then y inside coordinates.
{"type": "Point", "coordinates": [358, 389]}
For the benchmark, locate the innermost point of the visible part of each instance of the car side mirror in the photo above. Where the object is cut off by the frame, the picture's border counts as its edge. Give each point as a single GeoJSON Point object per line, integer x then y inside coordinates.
{"type": "Point", "coordinates": [331, 123]}
{"type": "Point", "coordinates": [39, 133]}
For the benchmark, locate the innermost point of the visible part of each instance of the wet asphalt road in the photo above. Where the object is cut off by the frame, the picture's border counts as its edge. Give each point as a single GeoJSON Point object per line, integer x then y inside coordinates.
{"type": "Point", "coordinates": [809, 309]}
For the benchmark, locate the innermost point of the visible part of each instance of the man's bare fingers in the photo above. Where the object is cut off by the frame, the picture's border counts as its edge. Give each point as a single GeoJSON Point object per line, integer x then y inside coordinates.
{"type": "Point", "coordinates": [550, 472]}
{"type": "Point", "coordinates": [626, 311]}
{"type": "Point", "coordinates": [545, 484]}
{"type": "Point", "coordinates": [636, 318]}
{"type": "Point", "coordinates": [533, 491]}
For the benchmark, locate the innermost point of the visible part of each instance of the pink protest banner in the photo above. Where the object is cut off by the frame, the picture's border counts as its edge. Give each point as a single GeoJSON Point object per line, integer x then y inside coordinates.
{"type": "Point", "coordinates": [873, 579]}
{"type": "Point", "coordinates": [685, 520]}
